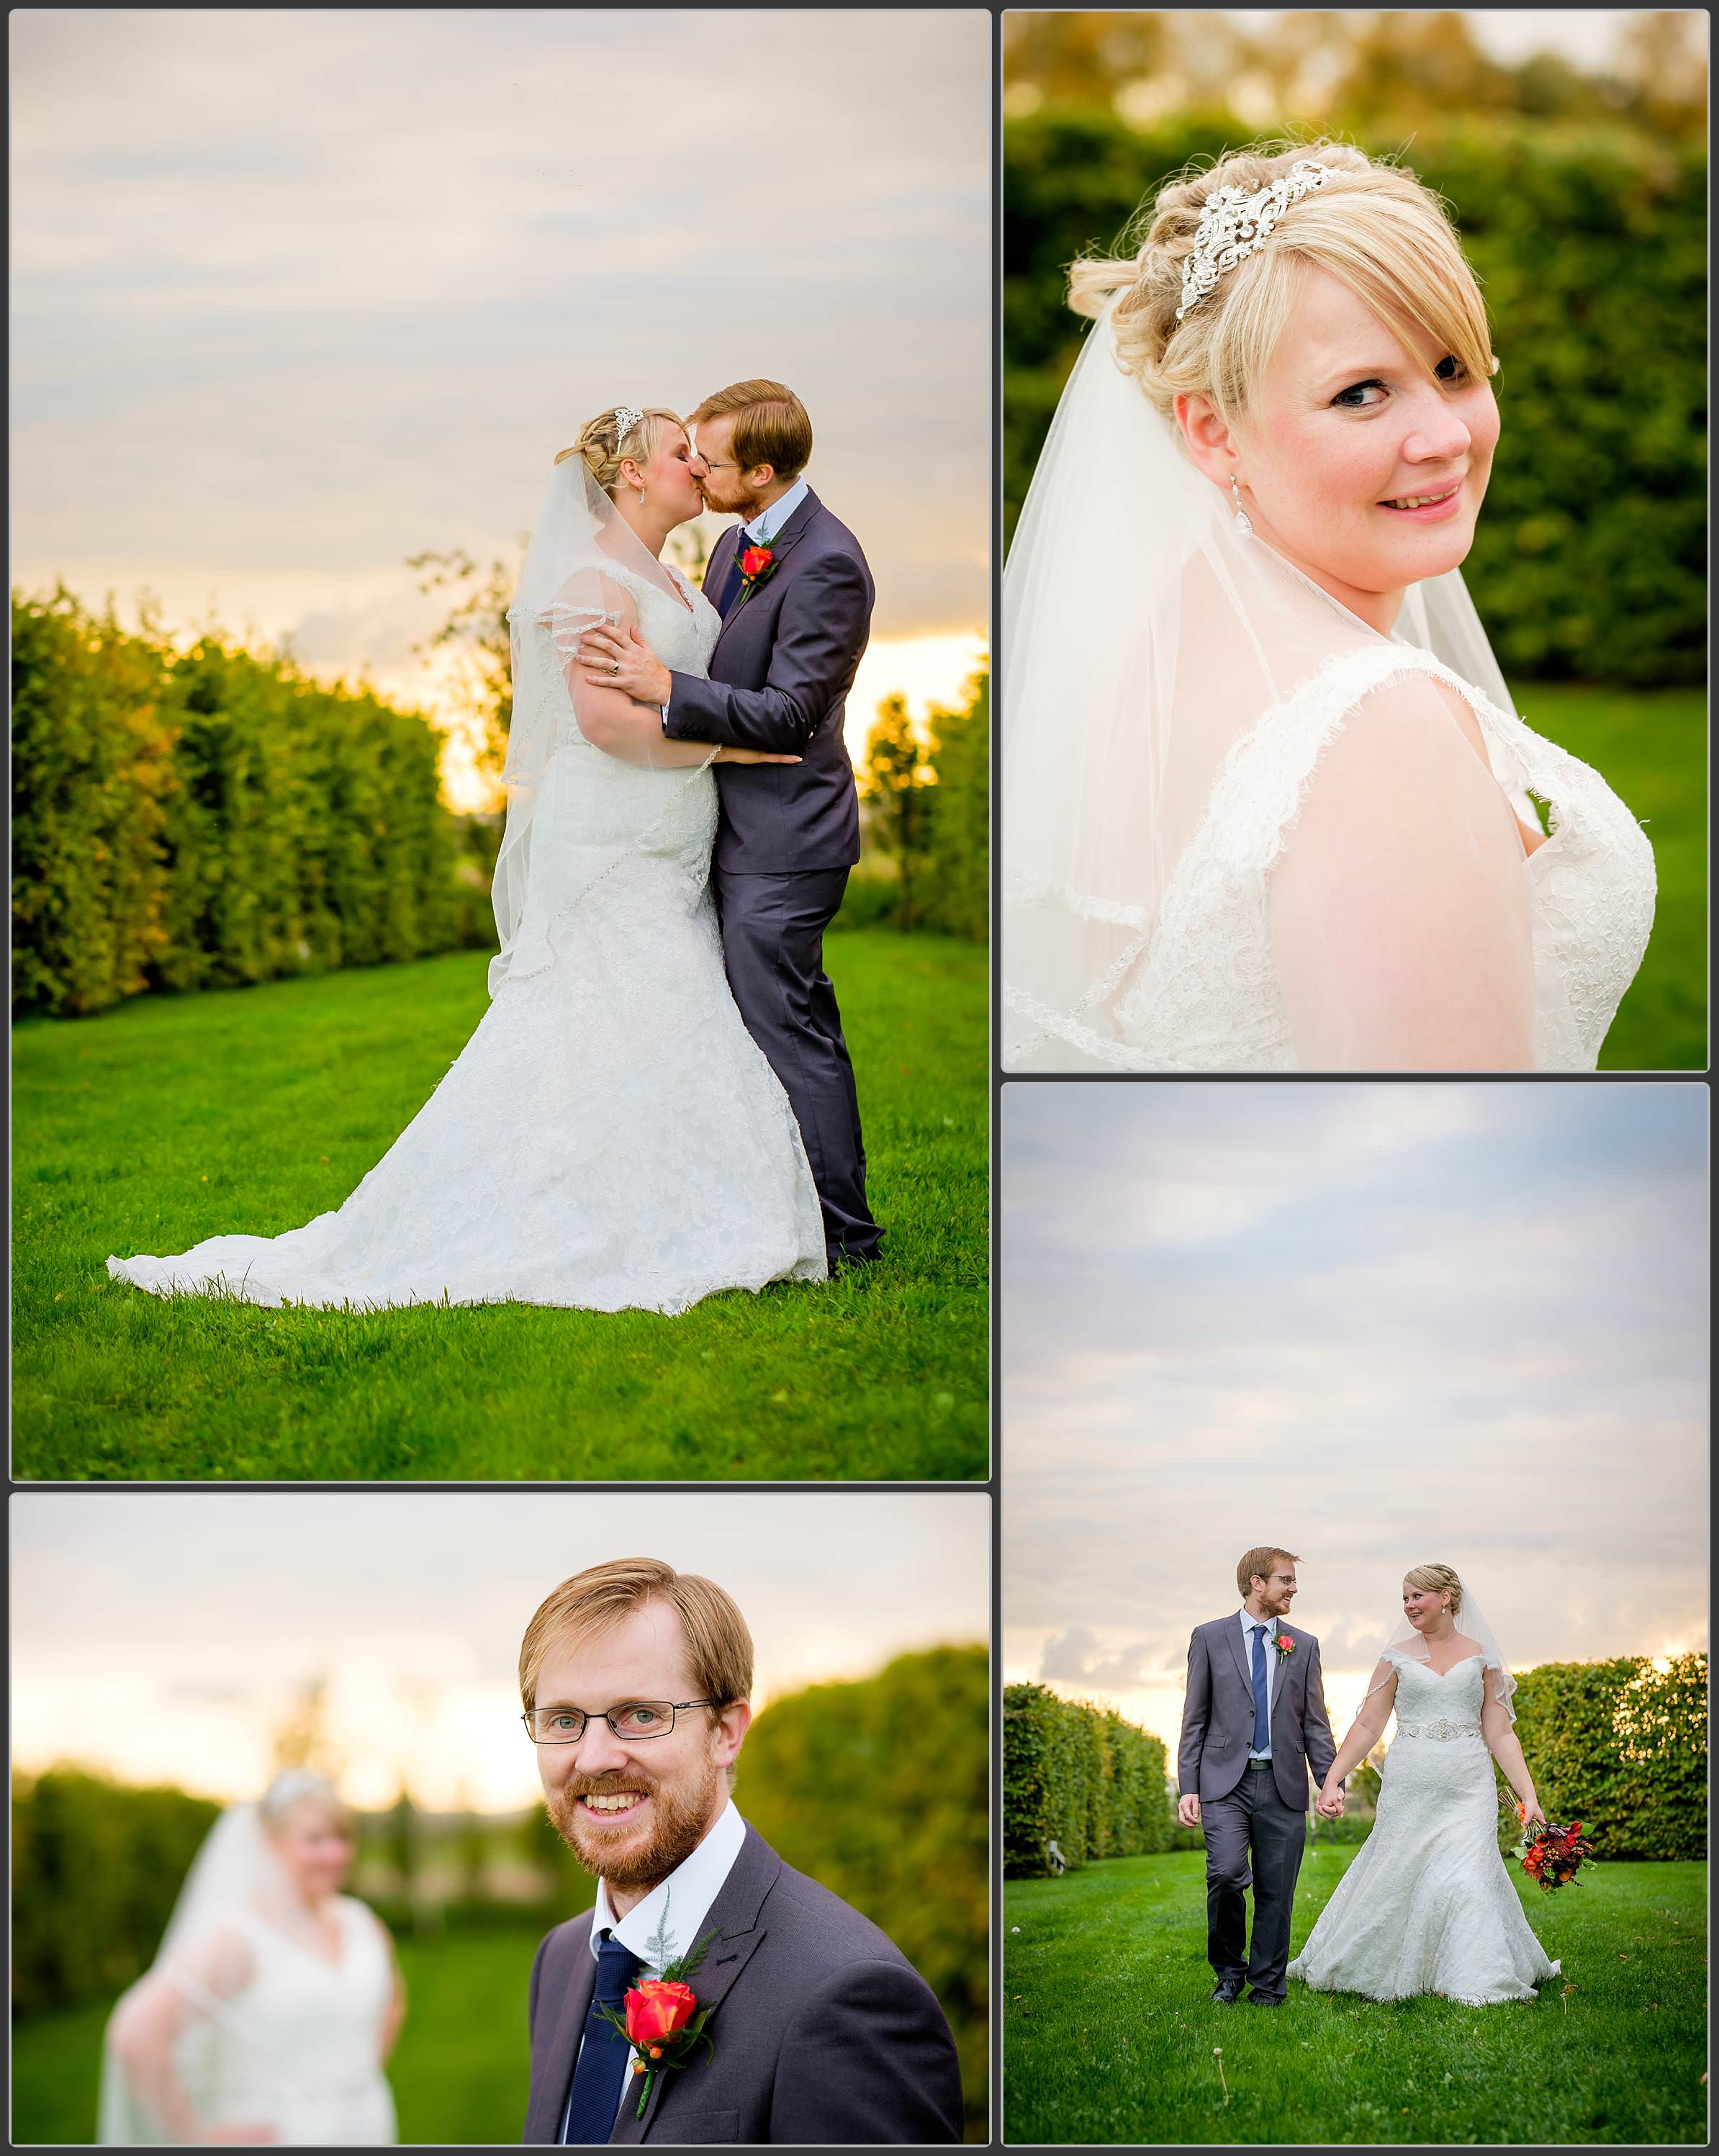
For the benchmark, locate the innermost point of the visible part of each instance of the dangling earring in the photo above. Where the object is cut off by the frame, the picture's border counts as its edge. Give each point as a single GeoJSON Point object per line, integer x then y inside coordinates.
{"type": "Point", "coordinates": [641, 497]}
{"type": "Point", "coordinates": [1242, 523]}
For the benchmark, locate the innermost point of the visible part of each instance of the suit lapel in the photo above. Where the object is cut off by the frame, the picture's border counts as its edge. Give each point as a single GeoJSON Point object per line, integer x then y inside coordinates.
{"type": "Point", "coordinates": [549, 2094]}
{"type": "Point", "coordinates": [782, 546]}
{"type": "Point", "coordinates": [1238, 1647]}
{"type": "Point", "coordinates": [736, 1916]}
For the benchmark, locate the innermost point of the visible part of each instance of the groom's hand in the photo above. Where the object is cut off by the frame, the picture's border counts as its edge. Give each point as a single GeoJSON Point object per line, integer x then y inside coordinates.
{"type": "Point", "coordinates": [626, 662]}
{"type": "Point", "coordinates": [1188, 1810]}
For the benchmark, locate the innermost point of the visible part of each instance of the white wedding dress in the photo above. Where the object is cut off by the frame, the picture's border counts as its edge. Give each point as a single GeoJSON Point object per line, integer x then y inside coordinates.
{"type": "Point", "coordinates": [610, 1136]}
{"type": "Point", "coordinates": [1427, 1905]}
{"type": "Point", "coordinates": [297, 2047]}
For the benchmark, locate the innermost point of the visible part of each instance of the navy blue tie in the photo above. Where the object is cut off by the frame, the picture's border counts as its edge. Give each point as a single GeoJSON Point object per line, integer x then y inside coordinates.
{"type": "Point", "coordinates": [596, 2096]}
{"type": "Point", "coordinates": [731, 587]}
{"type": "Point", "coordinates": [1262, 1699]}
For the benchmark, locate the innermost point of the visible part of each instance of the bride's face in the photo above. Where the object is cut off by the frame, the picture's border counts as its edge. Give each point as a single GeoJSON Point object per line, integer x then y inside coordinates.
{"type": "Point", "coordinates": [668, 477]}
{"type": "Point", "coordinates": [314, 1847]}
{"type": "Point", "coordinates": [1423, 1606]}
{"type": "Point", "coordinates": [1347, 430]}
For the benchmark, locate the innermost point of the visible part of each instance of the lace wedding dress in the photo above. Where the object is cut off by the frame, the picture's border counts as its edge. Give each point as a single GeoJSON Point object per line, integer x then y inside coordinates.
{"type": "Point", "coordinates": [1427, 1905]}
{"type": "Point", "coordinates": [610, 1136]}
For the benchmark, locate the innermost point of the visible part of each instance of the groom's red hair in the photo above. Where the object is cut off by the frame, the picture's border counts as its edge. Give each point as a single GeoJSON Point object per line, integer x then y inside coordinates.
{"type": "Point", "coordinates": [772, 427]}
{"type": "Point", "coordinates": [719, 1647]}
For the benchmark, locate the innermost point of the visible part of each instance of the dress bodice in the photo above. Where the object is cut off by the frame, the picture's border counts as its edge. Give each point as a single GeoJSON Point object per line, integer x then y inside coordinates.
{"type": "Point", "coordinates": [1444, 1707]}
{"type": "Point", "coordinates": [1206, 994]}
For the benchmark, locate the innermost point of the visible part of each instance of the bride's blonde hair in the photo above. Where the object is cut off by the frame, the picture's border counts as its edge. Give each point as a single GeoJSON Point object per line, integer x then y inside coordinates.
{"type": "Point", "coordinates": [1436, 1580]}
{"type": "Point", "coordinates": [1375, 226]}
{"type": "Point", "coordinates": [603, 444]}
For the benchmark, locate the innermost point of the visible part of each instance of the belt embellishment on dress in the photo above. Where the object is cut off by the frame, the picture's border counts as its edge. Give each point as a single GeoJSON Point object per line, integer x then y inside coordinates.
{"type": "Point", "coordinates": [1439, 1729]}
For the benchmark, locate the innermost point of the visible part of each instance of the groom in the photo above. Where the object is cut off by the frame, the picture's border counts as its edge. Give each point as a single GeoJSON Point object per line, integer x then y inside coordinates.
{"type": "Point", "coordinates": [795, 595]}
{"type": "Point", "coordinates": [1254, 1718]}
{"type": "Point", "coordinates": [635, 1680]}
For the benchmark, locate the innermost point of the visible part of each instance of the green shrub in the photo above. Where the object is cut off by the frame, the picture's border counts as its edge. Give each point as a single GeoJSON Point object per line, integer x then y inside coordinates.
{"type": "Point", "coordinates": [879, 1789]}
{"type": "Point", "coordinates": [1622, 1746]}
{"type": "Point", "coordinates": [210, 817]}
{"type": "Point", "coordinates": [96, 1868]}
{"type": "Point", "coordinates": [1590, 243]}
{"type": "Point", "coordinates": [928, 801]}
{"type": "Point", "coordinates": [1079, 1776]}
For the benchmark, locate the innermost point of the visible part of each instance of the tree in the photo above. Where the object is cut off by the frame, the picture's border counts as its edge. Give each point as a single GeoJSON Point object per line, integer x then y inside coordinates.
{"type": "Point", "coordinates": [896, 771]}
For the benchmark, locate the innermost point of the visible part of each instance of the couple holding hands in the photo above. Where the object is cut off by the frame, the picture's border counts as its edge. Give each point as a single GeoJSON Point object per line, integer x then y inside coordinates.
{"type": "Point", "coordinates": [1427, 1905]}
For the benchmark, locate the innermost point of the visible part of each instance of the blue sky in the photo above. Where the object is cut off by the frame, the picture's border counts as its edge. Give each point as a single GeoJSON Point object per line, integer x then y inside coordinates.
{"type": "Point", "coordinates": [1379, 1324]}
{"type": "Point", "coordinates": [299, 292]}
{"type": "Point", "coordinates": [162, 1635]}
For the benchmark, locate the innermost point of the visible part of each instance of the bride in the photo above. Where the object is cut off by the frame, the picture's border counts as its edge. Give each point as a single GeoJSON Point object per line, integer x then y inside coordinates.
{"type": "Point", "coordinates": [610, 1136]}
{"type": "Point", "coordinates": [1427, 1905]}
{"type": "Point", "coordinates": [274, 1999]}
{"type": "Point", "coordinates": [1268, 805]}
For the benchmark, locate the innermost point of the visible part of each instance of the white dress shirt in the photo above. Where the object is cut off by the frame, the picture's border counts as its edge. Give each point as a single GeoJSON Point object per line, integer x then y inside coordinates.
{"type": "Point", "coordinates": [678, 1906]}
{"type": "Point", "coordinates": [765, 526]}
{"type": "Point", "coordinates": [1268, 1625]}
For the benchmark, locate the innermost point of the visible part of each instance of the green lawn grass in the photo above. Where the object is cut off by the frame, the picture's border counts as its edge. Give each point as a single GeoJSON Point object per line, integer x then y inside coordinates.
{"type": "Point", "coordinates": [1651, 748]}
{"type": "Point", "coordinates": [459, 2071]}
{"type": "Point", "coordinates": [170, 1119]}
{"type": "Point", "coordinates": [1110, 2025]}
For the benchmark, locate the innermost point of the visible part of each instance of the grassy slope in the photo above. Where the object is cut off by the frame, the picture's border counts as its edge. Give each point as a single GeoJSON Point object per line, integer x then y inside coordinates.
{"type": "Point", "coordinates": [1110, 2025]}
{"type": "Point", "coordinates": [1651, 748]}
{"type": "Point", "coordinates": [171, 1119]}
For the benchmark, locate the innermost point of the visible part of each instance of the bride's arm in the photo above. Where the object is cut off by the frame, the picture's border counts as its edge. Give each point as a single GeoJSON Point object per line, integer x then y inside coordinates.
{"type": "Point", "coordinates": [1399, 907]}
{"type": "Point", "coordinates": [609, 718]}
{"type": "Point", "coordinates": [1364, 1733]}
{"type": "Point", "coordinates": [146, 2028]}
{"type": "Point", "coordinates": [1505, 1747]}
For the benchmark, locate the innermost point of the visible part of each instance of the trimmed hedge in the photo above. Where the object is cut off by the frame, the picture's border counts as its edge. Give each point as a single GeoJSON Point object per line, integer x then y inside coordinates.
{"type": "Point", "coordinates": [1079, 1776]}
{"type": "Point", "coordinates": [879, 1789]}
{"type": "Point", "coordinates": [209, 817]}
{"type": "Point", "coordinates": [96, 1868]}
{"type": "Point", "coordinates": [1589, 560]}
{"type": "Point", "coordinates": [1623, 1747]}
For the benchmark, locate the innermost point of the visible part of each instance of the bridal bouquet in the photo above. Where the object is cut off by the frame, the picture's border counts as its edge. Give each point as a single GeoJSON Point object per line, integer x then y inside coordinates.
{"type": "Point", "coordinates": [1553, 1855]}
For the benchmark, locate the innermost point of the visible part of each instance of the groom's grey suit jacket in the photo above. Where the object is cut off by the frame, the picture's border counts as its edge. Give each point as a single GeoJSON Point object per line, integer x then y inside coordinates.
{"type": "Point", "coordinates": [822, 2031]}
{"type": "Point", "coordinates": [779, 679]}
{"type": "Point", "coordinates": [1217, 1718]}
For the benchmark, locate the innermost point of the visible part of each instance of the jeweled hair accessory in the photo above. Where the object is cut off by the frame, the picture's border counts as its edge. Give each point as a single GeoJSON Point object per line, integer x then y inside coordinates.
{"type": "Point", "coordinates": [1234, 224]}
{"type": "Point", "coordinates": [626, 420]}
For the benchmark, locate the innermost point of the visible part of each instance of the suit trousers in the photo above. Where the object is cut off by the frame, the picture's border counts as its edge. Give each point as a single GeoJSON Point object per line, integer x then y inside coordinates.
{"type": "Point", "coordinates": [1253, 1823]}
{"type": "Point", "coordinates": [772, 946]}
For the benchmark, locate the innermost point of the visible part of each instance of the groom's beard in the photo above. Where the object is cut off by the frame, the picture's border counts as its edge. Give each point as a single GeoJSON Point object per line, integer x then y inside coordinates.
{"type": "Point", "coordinates": [679, 1818]}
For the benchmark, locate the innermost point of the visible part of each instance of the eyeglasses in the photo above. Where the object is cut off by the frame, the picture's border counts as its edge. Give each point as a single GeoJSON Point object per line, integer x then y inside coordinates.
{"type": "Point", "coordinates": [635, 1724]}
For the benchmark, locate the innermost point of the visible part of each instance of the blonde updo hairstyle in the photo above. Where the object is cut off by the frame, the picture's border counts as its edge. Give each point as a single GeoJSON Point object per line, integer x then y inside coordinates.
{"type": "Point", "coordinates": [1437, 1579]}
{"type": "Point", "coordinates": [603, 445]}
{"type": "Point", "coordinates": [1374, 226]}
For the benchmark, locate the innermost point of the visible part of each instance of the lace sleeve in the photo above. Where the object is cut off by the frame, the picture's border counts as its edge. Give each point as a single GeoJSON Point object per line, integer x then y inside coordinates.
{"type": "Point", "coordinates": [585, 600]}
{"type": "Point", "coordinates": [1400, 914]}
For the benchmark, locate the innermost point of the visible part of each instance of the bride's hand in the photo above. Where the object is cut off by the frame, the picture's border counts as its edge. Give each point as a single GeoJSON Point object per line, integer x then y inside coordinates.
{"type": "Point", "coordinates": [1329, 1804]}
{"type": "Point", "coordinates": [727, 755]}
{"type": "Point", "coordinates": [1531, 1812]}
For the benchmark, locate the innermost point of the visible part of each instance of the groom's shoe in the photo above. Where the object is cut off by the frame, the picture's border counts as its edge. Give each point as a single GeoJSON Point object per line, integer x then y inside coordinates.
{"type": "Point", "coordinates": [1263, 1999]}
{"type": "Point", "coordinates": [1227, 1990]}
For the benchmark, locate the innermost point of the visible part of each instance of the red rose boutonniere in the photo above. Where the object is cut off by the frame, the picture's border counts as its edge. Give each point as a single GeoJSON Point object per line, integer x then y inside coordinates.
{"type": "Point", "coordinates": [662, 2020]}
{"type": "Point", "coordinates": [1284, 1643]}
{"type": "Point", "coordinates": [758, 566]}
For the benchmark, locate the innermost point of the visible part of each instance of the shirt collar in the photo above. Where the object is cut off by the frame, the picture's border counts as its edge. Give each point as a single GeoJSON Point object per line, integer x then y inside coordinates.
{"type": "Point", "coordinates": [680, 1903]}
{"type": "Point", "coordinates": [1269, 1623]}
{"type": "Point", "coordinates": [765, 526]}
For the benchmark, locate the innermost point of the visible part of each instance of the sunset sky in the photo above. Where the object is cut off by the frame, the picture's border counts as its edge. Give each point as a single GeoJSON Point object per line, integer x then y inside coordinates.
{"type": "Point", "coordinates": [163, 1636]}
{"type": "Point", "coordinates": [297, 293]}
{"type": "Point", "coordinates": [1379, 1325]}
